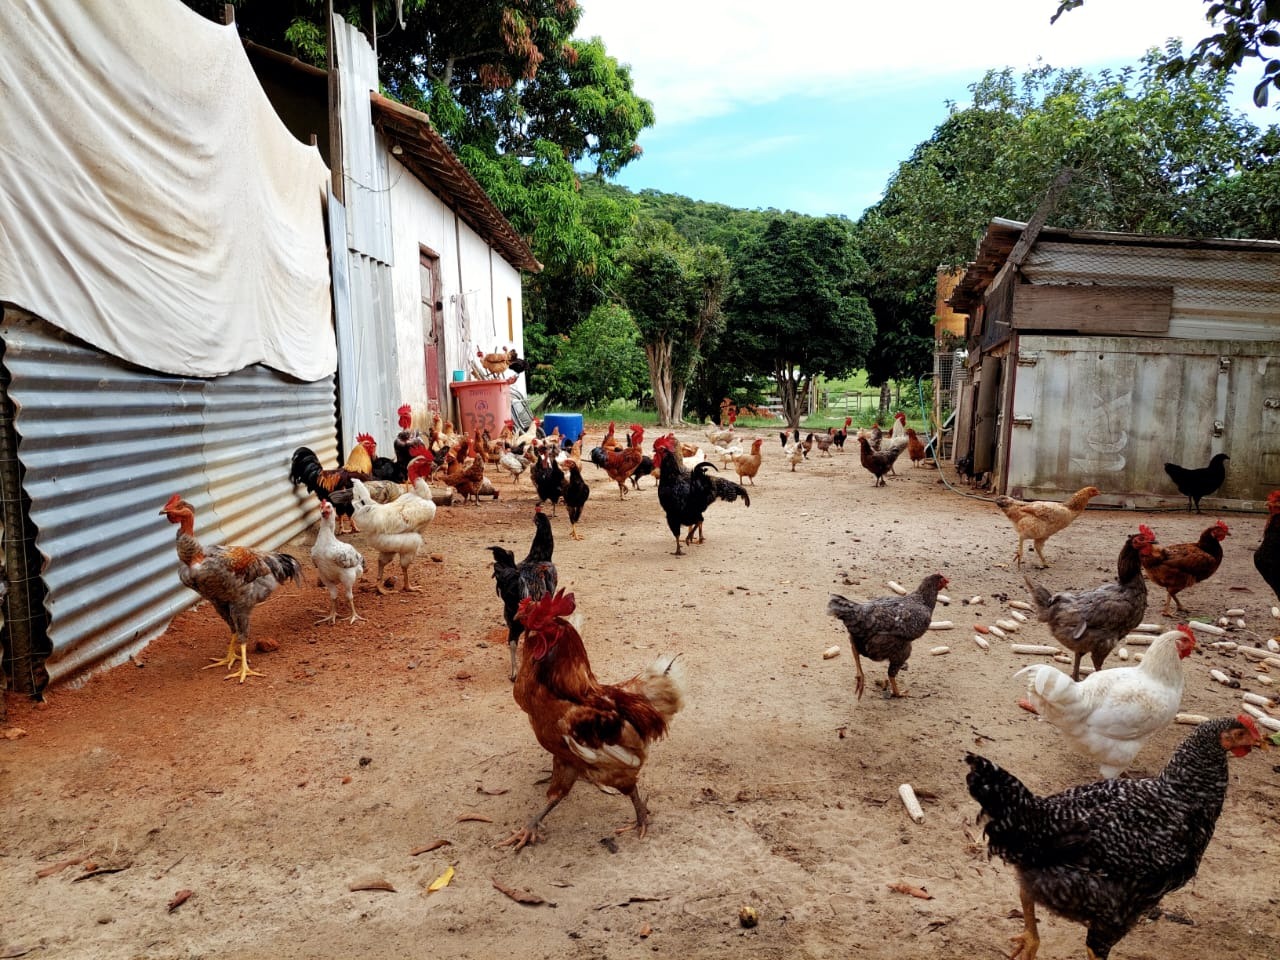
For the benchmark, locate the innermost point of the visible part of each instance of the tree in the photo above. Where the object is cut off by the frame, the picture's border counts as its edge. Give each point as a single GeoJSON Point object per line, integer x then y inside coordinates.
{"type": "Point", "coordinates": [674, 291]}
{"type": "Point", "coordinates": [1247, 29]}
{"type": "Point", "coordinates": [601, 360]}
{"type": "Point", "coordinates": [796, 310]}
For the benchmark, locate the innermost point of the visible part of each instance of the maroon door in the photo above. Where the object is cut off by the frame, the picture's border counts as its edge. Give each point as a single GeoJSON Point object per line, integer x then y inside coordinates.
{"type": "Point", "coordinates": [432, 328]}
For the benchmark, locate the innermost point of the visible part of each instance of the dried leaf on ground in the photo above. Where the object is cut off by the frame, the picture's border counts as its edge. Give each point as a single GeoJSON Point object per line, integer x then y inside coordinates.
{"type": "Point", "coordinates": [179, 898]}
{"type": "Point", "coordinates": [521, 896]}
{"type": "Point", "coordinates": [910, 890]}
{"type": "Point", "coordinates": [372, 883]}
{"type": "Point", "coordinates": [442, 881]}
{"type": "Point", "coordinates": [433, 845]}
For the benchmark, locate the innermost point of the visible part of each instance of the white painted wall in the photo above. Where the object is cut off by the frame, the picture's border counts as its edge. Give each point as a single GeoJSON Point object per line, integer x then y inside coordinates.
{"type": "Point", "coordinates": [476, 284]}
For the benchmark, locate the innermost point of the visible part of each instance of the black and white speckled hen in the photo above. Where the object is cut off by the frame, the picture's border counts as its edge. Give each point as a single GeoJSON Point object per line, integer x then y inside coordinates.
{"type": "Point", "coordinates": [885, 628]}
{"type": "Point", "coordinates": [1105, 853]}
{"type": "Point", "coordinates": [532, 578]}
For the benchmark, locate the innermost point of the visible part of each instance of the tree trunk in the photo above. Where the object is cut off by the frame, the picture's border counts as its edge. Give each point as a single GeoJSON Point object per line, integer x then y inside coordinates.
{"type": "Point", "coordinates": [790, 393]}
{"type": "Point", "coordinates": [885, 397]}
{"type": "Point", "coordinates": [658, 356]}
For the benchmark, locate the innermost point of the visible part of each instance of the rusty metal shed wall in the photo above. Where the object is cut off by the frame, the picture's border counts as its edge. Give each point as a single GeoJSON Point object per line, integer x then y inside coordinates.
{"type": "Point", "coordinates": [1110, 411]}
{"type": "Point", "coordinates": [104, 444]}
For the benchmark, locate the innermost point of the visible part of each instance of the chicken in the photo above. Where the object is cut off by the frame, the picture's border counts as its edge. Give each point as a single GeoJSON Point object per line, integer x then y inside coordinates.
{"type": "Point", "coordinates": [643, 469]}
{"type": "Point", "coordinates": [839, 437]}
{"type": "Point", "coordinates": [1094, 621]}
{"type": "Point", "coordinates": [528, 436]}
{"type": "Point", "coordinates": [496, 363]}
{"type": "Point", "coordinates": [807, 445]}
{"type": "Point", "coordinates": [468, 478]}
{"type": "Point", "coordinates": [718, 436]}
{"type": "Point", "coordinates": [510, 463]}
{"type": "Point", "coordinates": [593, 731]}
{"type": "Point", "coordinates": [795, 455]}
{"type": "Point", "coordinates": [395, 529]}
{"type": "Point", "coordinates": [1038, 520]}
{"type": "Point", "coordinates": [306, 470]}
{"type": "Point", "coordinates": [1105, 853]}
{"type": "Point", "coordinates": [1182, 565]}
{"type": "Point", "coordinates": [915, 447]}
{"type": "Point", "coordinates": [359, 460]}
{"type": "Point", "coordinates": [576, 493]}
{"type": "Point", "coordinates": [1110, 714]}
{"type": "Point", "coordinates": [339, 565]}
{"type": "Point", "coordinates": [532, 578]}
{"type": "Point", "coordinates": [1266, 558]}
{"type": "Point", "coordinates": [877, 463]}
{"type": "Point", "coordinates": [788, 439]}
{"type": "Point", "coordinates": [725, 454]}
{"type": "Point", "coordinates": [383, 468]}
{"type": "Point", "coordinates": [1200, 482]}
{"type": "Point", "coordinates": [824, 442]}
{"type": "Point", "coordinates": [233, 579]}
{"type": "Point", "coordinates": [885, 628]}
{"type": "Point", "coordinates": [748, 464]}
{"type": "Point", "coordinates": [548, 478]}
{"type": "Point", "coordinates": [897, 440]}
{"type": "Point", "coordinates": [620, 464]}
{"type": "Point", "coordinates": [686, 495]}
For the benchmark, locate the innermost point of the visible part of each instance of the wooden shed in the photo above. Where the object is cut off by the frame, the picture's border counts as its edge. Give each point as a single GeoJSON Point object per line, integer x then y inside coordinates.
{"type": "Point", "coordinates": [1094, 358]}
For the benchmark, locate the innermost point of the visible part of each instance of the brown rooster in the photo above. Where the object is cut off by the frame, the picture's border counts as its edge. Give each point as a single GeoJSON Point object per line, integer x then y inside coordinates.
{"type": "Point", "coordinates": [233, 579]}
{"type": "Point", "coordinates": [619, 464]}
{"type": "Point", "coordinates": [594, 731]}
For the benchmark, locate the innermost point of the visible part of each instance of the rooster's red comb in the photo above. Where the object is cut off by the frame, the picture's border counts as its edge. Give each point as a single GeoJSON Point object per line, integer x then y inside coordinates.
{"type": "Point", "coordinates": [404, 410]}
{"type": "Point", "coordinates": [362, 437]}
{"type": "Point", "coordinates": [1147, 532]}
{"type": "Point", "coordinates": [1249, 724]}
{"type": "Point", "coordinates": [539, 615]}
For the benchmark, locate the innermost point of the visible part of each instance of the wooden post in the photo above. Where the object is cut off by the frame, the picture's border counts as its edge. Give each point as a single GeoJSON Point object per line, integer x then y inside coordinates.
{"type": "Point", "coordinates": [228, 14]}
{"type": "Point", "coordinates": [335, 113]}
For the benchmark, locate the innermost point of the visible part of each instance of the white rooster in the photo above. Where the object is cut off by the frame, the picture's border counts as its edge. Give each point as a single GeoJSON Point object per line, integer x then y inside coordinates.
{"type": "Point", "coordinates": [1110, 714]}
{"type": "Point", "coordinates": [339, 565]}
{"type": "Point", "coordinates": [395, 529]}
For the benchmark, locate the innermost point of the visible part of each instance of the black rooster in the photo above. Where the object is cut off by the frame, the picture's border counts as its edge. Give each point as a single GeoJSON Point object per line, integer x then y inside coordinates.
{"type": "Point", "coordinates": [1200, 482]}
{"type": "Point", "coordinates": [1105, 853]}
{"type": "Point", "coordinates": [685, 496]}
{"type": "Point", "coordinates": [575, 495]}
{"type": "Point", "coordinates": [306, 470]}
{"type": "Point", "coordinates": [532, 578]}
{"type": "Point", "coordinates": [877, 462]}
{"type": "Point", "coordinates": [548, 478]}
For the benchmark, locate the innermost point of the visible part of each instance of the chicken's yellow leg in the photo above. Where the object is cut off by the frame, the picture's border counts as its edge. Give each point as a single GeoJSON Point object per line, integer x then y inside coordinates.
{"type": "Point", "coordinates": [244, 670]}
{"type": "Point", "coordinates": [1029, 940]}
{"type": "Point", "coordinates": [229, 661]}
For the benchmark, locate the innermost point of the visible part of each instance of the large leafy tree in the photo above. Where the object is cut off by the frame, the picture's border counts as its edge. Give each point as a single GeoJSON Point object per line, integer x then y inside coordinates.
{"type": "Point", "coordinates": [674, 291]}
{"type": "Point", "coordinates": [1246, 29]}
{"type": "Point", "coordinates": [1151, 155]}
{"type": "Point", "coordinates": [796, 307]}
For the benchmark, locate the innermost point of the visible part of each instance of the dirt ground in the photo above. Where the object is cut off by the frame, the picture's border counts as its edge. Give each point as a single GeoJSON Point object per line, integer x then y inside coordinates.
{"type": "Point", "coordinates": [776, 788]}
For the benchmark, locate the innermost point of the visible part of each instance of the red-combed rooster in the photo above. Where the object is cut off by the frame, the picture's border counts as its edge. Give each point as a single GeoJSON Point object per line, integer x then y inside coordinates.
{"type": "Point", "coordinates": [233, 579]}
{"type": "Point", "coordinates": [593, 731]}
{"type": "Point", "coordinates": [1105, 853]}
{"type": "Point", "coordinates": [1182, 565]}
{"type": "Point", "coordinates": [306, 470]}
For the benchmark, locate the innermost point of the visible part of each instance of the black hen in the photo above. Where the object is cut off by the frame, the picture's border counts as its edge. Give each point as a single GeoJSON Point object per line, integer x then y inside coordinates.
{"type": "Point", "coordinates": [877, 462]}
{"type": "Point", "coordinates": [885, 628]}
{"type": "Point", "coordinates": [576, 493]}
{"type": "Point", "coordinates": [1200, 482]}
{"type": "Point", "coordinates": [548, 479]}
{"type": "Point", "coordinates": [644, 469]}
{"type": "Point", "coordinates": [1105, 853]}
{"type": "Point", "coordinates": [531, 579]}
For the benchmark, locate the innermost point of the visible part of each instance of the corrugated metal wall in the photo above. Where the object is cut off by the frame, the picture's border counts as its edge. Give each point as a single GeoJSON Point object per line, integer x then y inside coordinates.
{"type": "Point", "coordinates": [1110, 411]}
{"type": "Point", "coordinates": [368, 364]}
{"type": "Point", "coordinates": [103, 446]}
{"type": "Point", "coordinates": [1217, 294]}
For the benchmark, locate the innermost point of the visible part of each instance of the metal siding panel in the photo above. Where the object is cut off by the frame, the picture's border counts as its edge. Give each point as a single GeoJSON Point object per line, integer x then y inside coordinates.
{"type": "Point", "coordinates": [104, 444]}
{"type": "Point", "coordinates": [1111, 411]}
{"type": "Point", "coordinates": [371, 370]}
{"type": "Point", "coordinates": [367, 196]}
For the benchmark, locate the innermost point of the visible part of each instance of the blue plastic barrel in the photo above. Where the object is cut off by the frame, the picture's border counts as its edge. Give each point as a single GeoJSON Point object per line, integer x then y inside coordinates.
{"type": "Point", "coordinates": [570, 424]}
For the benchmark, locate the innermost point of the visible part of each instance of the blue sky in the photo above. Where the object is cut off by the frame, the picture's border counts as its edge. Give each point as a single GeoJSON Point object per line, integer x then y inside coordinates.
{"type": "Point", "coordinates": [810, 105]}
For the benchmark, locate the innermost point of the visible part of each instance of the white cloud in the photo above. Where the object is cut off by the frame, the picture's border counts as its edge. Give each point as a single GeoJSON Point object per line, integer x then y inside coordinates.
{"type": "Point", "coordinates": [702, 58]}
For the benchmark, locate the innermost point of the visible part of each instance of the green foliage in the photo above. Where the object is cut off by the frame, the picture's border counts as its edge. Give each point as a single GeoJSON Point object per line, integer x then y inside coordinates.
{"type": "Point", "coordinates": [796, 307]}
{"type": "Point", "coordinates": [601, 360]}
{"type": "Point", "coordinates": [674, 291]}
{"type": "Point", "coordinates": [1248, 29]}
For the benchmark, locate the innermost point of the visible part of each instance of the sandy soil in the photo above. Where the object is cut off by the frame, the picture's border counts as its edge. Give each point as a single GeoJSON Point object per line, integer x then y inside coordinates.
{"type": "Point", "coordinates": [776, 788]}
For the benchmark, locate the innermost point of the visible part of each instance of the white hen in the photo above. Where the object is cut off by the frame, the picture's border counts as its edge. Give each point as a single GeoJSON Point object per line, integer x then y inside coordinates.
{"type": "Point", "coordinates": [1110, 714]}
{"type": "Point", "coordinates": [339, 565]}
{"type": "Point", "coordinates": [395, 529]}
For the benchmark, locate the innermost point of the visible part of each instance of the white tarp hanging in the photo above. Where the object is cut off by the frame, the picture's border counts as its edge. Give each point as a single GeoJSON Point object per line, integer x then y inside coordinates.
{"type": "Point", "coordinates": [151, 201]}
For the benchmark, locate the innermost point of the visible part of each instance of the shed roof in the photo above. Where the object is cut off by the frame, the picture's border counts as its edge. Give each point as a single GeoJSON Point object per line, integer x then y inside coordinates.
{"type": "Point", "coordinates": [1002, 235]}
{"type": "Point", "coordinates": [428, 157]}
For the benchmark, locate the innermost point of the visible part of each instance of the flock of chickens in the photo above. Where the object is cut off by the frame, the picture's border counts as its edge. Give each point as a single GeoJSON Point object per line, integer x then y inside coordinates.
{"type": "Point", "coordinates": [1102, 853]}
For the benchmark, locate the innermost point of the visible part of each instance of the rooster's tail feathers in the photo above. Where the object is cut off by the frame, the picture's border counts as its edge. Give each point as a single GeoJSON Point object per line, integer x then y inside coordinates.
{"type": "Point", "coordinates": [664, 684]}
{"type": "Point", "coordinates": [285, 567]}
